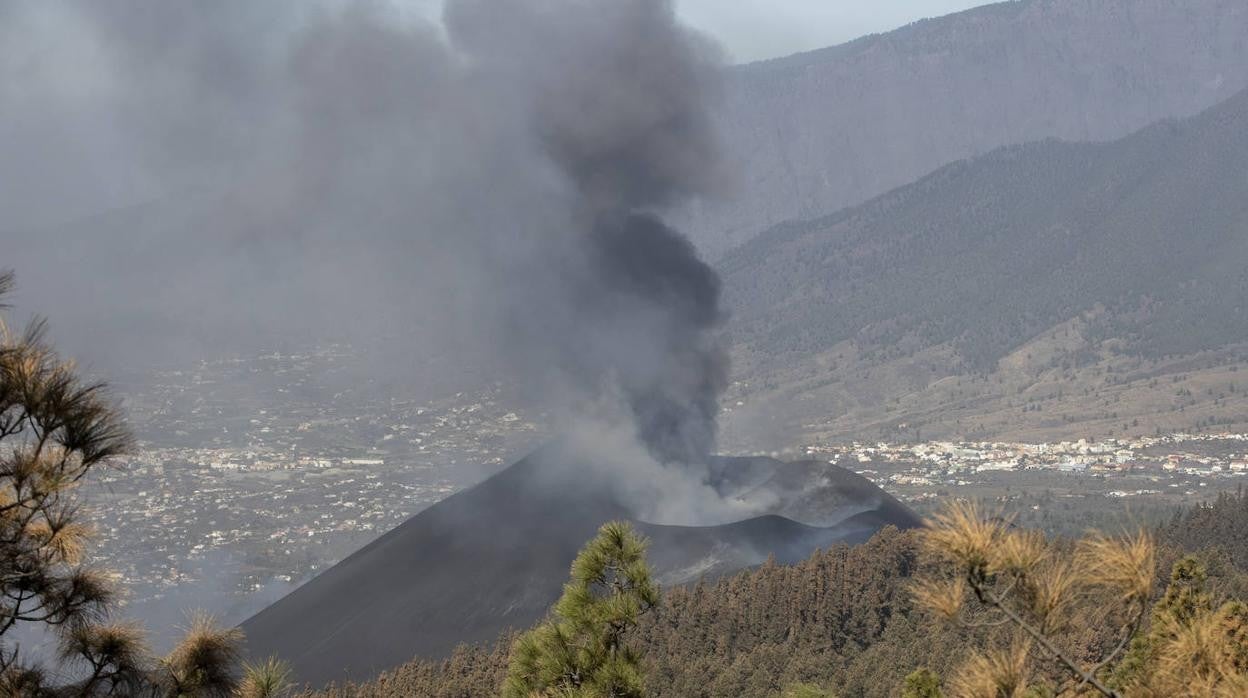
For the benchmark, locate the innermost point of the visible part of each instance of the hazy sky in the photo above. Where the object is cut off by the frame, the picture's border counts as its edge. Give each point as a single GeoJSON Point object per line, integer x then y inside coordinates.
{"type": "Point", "coordinates": [755, 29]}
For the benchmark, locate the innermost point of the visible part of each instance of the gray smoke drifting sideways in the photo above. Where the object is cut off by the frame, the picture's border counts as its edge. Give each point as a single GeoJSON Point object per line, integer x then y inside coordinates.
{"type": "Point", "coordinates": [494, 186]}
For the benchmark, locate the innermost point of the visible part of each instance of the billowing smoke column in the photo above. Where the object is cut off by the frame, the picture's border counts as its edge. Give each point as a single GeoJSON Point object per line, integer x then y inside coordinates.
{"type": "Point", "coordinates": [492, 186]}
{"type": "Point", "coordinates": [675, 399]}
{"type": "Point", "coordinates": [618, 96]}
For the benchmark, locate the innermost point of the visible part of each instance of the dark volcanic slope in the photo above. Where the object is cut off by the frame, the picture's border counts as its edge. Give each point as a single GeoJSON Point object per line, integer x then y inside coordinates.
{"type": "Point", "coordinates": [496, 556]}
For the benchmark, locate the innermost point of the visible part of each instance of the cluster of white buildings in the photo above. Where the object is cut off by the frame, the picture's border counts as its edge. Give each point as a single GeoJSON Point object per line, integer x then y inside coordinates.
{"type": "Point", "coordinates": [1180, 452]}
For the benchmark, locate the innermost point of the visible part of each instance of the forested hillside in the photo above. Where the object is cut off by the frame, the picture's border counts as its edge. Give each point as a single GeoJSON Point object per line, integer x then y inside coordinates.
{"type": "Point", "coordinates": [1224, 521]}
{"type": "Point", "coordinates": [843, 618]}
{"type": "Point", "coordinates": [812, 133]}
{"type": "Point", "coordinates": [987, 253]}
{"type": "Point", "coordinates": [496, 556]}
{"type": "Point", "coordinates": [1127, 256]}
{"type": "Point", "coordinates": [747, 635]}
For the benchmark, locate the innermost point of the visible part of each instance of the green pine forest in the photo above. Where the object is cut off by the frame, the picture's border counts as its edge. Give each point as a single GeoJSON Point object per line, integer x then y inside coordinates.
{"type": "Point", "coordinates": [844, 620]}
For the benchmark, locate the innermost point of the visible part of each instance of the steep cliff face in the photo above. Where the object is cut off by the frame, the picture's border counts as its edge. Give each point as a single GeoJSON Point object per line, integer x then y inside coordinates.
{"type": "Point", "coordinates": [812, 133]}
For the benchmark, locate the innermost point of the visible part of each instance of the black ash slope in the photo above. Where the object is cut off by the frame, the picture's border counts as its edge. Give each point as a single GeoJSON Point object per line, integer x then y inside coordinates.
{"type": "Point", "coordinates": [496, 556]}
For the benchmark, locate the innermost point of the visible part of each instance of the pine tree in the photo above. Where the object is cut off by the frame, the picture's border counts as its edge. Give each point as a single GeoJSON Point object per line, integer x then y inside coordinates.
{"type": "Point", "coordinates": [922, 683]}
{"type": "Point", "coordinates": [1018, 579]}
{"type": "Point", "coordinates": [1191, 646]}
{"type": "Point", "coordinates": [581, 651]}
{"type": "Point", "coordinates": [54, 430]}
{"type": "Point", "coordinates": [1008, 577]}
{"type": "Point", "coordinates": [269, 679]}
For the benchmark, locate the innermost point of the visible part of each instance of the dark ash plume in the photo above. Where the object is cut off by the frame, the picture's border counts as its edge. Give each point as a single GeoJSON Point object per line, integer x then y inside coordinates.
{"type": "Point", "coordinates": [493, 187]}
{"type": "Point", "coordinates": [619, 99]}
{"type": "Point", "coordinates": [675, 399]}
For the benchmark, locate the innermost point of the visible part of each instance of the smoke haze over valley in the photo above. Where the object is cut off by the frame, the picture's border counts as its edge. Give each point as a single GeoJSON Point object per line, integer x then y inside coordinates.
{"type": "Point", "coordinates": [402, 300]}
{"type": "Point", "coordinates": [336, 172]}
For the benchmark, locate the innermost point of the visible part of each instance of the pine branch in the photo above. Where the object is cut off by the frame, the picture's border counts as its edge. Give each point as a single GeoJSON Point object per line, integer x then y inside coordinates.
{"type": "Point", "coordinates": [998, 603]}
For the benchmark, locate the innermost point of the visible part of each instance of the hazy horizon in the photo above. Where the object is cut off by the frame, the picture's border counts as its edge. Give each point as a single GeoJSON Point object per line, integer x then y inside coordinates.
{"type": "Point", "coordinates": [755, 30]}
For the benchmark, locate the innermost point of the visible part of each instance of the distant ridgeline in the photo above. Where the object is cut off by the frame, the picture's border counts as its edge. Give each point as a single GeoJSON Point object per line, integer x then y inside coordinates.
{"type": "Point", "coordinates": [1148, 235]}
{"type": "Point", "coordinates": [818, 131]}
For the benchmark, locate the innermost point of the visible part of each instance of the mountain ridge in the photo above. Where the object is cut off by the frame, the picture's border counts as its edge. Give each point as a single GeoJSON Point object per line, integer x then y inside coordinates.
{"type": "Point", "coordinates": [815, 132]}
{"type": "Point", "coordinates": [1108, 258]}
